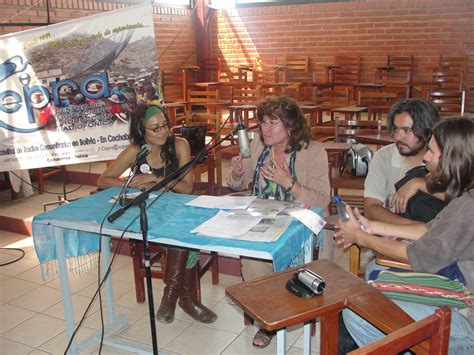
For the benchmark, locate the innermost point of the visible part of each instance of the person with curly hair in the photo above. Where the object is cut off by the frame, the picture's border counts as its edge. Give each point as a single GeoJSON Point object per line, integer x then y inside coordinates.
{"type": "Point", "coordinates": [285, 164]}
{"type": "Point", "coordinates": [150, 125]}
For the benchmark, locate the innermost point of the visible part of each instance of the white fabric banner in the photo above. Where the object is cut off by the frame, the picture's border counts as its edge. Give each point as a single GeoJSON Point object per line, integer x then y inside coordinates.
{"type": "Point", "coordinates": [67, 91]}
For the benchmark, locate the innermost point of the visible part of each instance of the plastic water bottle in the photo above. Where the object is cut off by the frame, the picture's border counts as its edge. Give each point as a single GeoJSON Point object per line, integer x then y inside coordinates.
{"type": "Point", "coordinates": [342, 211]}
{"type": "Point", "coordinates": [341, 208]}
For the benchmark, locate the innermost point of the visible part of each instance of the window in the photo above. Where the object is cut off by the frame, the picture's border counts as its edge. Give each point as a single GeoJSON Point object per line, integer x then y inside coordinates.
{"type": "Point", "coordinates": [173, 3]}
{"type": "Point", "coordinates": [227, 4]}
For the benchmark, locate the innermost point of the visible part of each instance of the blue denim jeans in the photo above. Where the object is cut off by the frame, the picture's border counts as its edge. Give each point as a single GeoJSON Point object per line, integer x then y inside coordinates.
{"type": "Point", "coordinates": [461, 340]}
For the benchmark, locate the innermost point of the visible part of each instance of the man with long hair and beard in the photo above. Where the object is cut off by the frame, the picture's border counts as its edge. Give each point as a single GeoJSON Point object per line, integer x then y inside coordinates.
{"type": "Point", "coordinates": [410, 123]}
{"type": "Point", "coordinates": [446, 241]}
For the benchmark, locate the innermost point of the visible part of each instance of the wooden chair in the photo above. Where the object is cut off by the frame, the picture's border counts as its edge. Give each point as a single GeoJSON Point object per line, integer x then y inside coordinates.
{"type": "Point", "coordinates": [43, 173]}
{"type": "Point", "coordinates": [397, 75]}
{"type": "Point", "coordinates": [454, 62]}
{"type": "Point", "coordinates": [346, 181]}
{"type": "Point", "coordinates": [213, 125]}
{"type": "Point", "coordinates": [399, 83]}
{"type": "Point", "coordinates": [174, 95]}
{"type": "Point", "coordinates": [401, 63]}
{"type": "Point", "coordinates": [443, 78]}
{"type": "Point", "coordinates": [263, 72]}
{"type": "Point", "coordinates": [347, 130]}
{"type": "Point", "coordinates": [5, 183]}
{"type": "Point", "coordinates": [448, 102]}
{"type": "Point", "coordinates": [296, 73]}
{"type": "Point", "coordinates": [377, 103]}
{"type": "Point", "coordinates": [386, 261]}
{"type": "Point", "coordinates": [296, 68]}
{"type": "Point", "coordinates": [158, 262]}
{"type": "Point", "coordinates": [355, 264]}
{"type": "Point", "coordinates": [209, 99]}
{"type": "Point", "coordinates": [173, 88]}
{"type": "Point", "coordinates": [244, 100]}
{"type": "Point", "coordinates": [209, 69]}
{"type": "Point", "coordinates": [329, 99]}
{"type": "Point", "coordinates": [189, 74]}
{"type": "Point", "coordinates": [235, 77]}
{"type": "Point", "coordinates": [434, 329]}
{"type": "Point", "coordinates": [452, 79]}
{"type": "Point", "coordinates": [346, 70]}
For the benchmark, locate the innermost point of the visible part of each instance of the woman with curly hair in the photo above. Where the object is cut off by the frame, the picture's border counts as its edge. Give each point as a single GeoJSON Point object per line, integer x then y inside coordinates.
{"type": "Point", "coordinates": [150, 125]}
{"type": "Point", "coordinates": [285, 164]}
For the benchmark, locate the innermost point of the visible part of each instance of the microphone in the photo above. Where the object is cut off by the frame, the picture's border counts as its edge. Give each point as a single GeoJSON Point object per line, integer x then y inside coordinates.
{"type": "Point", "coordinates": [243, 138]}
{"type": "Point", "coordinates": [144, 151]}
{"type": "Point", "coordinates": [178, 173]}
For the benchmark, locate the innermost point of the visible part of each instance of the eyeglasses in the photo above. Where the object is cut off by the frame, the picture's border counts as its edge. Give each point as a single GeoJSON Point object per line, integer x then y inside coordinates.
{"type": "Point", "coordinates": [270, 123]}
{"type": "Point", "coordinates": [158, 128]}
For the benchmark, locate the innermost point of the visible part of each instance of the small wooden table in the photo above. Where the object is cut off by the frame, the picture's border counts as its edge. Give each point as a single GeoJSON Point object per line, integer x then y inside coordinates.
{"type": "Point", "coordinates": [380, 139]}
{"type": "Point", "coordinates": [336, 147]}
{"type": "Point", "coordinates": [329, 70]}
{"type": "Point", "coordinates": [276, 86]}
{"type": "Point", "coordinates": [349, 111]}
{"type": "Point", "coordinates": [267, 301]}
{"type": "Point", "coordinates": [345, 180]}
{"type": "Point", "coordinates": [171, 109]}
{"type": "Point", "coordinates": [207, 84]}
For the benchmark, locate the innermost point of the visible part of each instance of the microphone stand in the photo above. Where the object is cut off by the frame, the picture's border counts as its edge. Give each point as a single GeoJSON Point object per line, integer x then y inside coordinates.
{"type": "Point", "coordinates": [122, 198]}
{"type": "Point", "coordinates": [146, 255]}
{"type": "Point", "coordinates": [140, 201]}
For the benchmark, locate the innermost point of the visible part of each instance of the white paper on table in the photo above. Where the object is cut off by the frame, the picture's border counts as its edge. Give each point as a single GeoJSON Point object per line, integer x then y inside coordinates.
{"type": "Point", "coordinates": [222, 202]}
{"type": "Point", "coordinates": [310, 219]}
{"type": "Point", "coordinates": [268, 230]}
{"type": "Point", "coordinates": [226, 226]}
{"type": "Point", "coordinates": [264, 208]}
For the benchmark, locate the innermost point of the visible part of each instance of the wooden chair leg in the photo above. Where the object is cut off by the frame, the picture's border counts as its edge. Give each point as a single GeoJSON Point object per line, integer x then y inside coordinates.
{"type": "Point", "coordinates": [197, 284]}
{"type": "Point", "coordinates": [218, 164]}
{"type": "Point", "coordinates": [137, 261]}
{"type": "Point", "coordinates": [215, 267]}
{"type": "Point", "coordinates": [40, 178]}
{"type": "Point", "coordinates": [247, 320]}
{"type": "Point", "coordinates": [210, 175]}
{"type": "Point", "coordinates": [13, 194]}
{"type": "Point", "coordinates": [354, 260]}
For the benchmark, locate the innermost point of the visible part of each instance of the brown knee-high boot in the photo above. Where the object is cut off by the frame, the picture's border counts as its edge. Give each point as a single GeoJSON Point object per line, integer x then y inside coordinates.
{"type": "Point", "coordinates": [174, 272]}
{"type": "Point", "coordinates": [189, 303]}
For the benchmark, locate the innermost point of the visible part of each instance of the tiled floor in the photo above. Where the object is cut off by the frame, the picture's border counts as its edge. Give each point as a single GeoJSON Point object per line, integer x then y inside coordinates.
{"type": "Point", "coordinates": [31, 311]}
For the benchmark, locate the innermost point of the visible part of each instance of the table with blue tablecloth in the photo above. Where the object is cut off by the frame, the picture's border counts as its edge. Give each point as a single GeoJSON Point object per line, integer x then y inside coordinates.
{"type": "Point", "coordinates": [66, 236]}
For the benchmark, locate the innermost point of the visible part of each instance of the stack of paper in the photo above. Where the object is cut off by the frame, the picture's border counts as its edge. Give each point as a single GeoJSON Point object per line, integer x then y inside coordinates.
{"type": "Point", "coordinates": [226, 226]}
{"type": "Point", "coordinates": [222, 202]}
{"type": "Point", "coordinates": [253, 219]}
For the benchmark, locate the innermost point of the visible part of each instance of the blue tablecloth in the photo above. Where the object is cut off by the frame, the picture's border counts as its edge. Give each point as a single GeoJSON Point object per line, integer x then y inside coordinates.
{"type": "Point", "coordinates": [168, 218]}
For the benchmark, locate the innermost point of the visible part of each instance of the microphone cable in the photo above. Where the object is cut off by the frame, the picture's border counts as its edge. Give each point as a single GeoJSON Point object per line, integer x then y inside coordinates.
{"type": "Point", "coordinates": [100, 281]}
{"type": "Point", "coordinates": [108, 270]}
{"type": "Point", "coordinates": [47, 191]}
{"type": "Point", "coordinates": [15, 260]}
{"type": "Point", "coordinates": [119, 244]}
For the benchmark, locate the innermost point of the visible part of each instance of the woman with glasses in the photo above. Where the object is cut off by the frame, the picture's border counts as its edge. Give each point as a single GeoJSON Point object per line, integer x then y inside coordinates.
{"type": "Point", "coordinates": [285, 164]}
{"type": "Point", "coordinates": [150, 125]}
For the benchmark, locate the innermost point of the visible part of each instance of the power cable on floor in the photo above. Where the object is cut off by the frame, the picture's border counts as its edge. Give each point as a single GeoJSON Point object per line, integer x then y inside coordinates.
{"type": "Point", "coordinates": [17, 259]}
{"type": "Point", "coordinates": [51, 192]}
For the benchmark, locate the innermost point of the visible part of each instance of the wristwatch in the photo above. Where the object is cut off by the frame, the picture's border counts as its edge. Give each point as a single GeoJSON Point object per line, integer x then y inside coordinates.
{"type": "Point", "coordinates": [292, 185]}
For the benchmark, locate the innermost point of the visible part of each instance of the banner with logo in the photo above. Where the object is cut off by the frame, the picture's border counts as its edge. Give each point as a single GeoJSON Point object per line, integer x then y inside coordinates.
{"type": "Point", "coordinates": [67, 91]}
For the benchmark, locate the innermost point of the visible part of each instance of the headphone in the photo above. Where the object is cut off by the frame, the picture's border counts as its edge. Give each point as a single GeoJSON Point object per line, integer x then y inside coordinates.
{"type": "Point", "coordinates": [141, 128]}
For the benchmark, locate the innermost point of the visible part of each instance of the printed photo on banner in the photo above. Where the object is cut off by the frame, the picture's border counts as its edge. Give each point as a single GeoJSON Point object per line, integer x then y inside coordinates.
{"type": "Point", "coordinates": [67, 91]}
